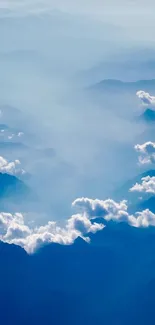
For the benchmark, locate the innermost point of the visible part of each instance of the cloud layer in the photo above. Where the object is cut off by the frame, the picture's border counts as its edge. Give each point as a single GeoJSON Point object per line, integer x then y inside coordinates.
{"type": "Point", "coordinates": [13, 229]}
{"type": "Point", "coordinates": [116, 212]}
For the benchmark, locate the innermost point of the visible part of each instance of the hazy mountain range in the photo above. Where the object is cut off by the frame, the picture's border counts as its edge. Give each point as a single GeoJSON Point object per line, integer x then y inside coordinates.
{"type": "Point", "coordinates": [77, 162]}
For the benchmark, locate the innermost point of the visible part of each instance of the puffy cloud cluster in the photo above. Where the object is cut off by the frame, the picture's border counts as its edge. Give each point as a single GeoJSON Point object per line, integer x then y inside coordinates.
{"type": "Point", "coordinates": [147, 152]}
{"type": "Point", "coordinates": [12, 168]}
{"type": "Point", "coordinates": [147, 185]}
{"type": "Point", "coordinates": [83, 224]}
{"type": "Point", "coordinates": [142, 219]}
{"type": "Point", "coordinates": [98, 208]}
{"type": "Point", "coordinates": [13, 229]}
{"type": "Point", "coordinates": [115, 211]}
{"type": "Point", "coordinates": [146, 99]}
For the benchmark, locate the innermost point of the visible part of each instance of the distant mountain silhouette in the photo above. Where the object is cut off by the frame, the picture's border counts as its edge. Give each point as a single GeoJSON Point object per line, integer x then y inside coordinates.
{"type": "Point", "coordinates": [113, 85]}
{"type": "Point", "coordinates": [148, 116]}
{"type": "Point", "coordinates": [16, 194]}
{"type": "Point", "coordinates": [12, 187]}
{"type": "Point", "coordinates": [4, 127]}
{"type": "Point", "coordinates": [104, 282]}
{"type": "Point", "coordinates": [136, 66]}
{"type": "Point", "coordinates": [8, 145]}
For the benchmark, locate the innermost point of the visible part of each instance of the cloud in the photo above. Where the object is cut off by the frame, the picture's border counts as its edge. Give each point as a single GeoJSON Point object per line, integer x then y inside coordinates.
{"type": "Point", "coordinates": [147, 185]}
{"type": "Point", "coordinates": [13, 229]}
{"type": "Point", "coordinates": [100, 208]}
{"type": "Point", "coordinates": [20, 134]}
{"type": "Point", "coordinates": [11, 136]}
{"type": "Point", "coordinates": [146, 99]}
{"type": "Point", "coordinates": [147, 152]}
{"type": "Point", "coordinates": [142, 219]}
{"type": "Point", "coordinates": [82, 224]}
{"type": "Point", "coordinates": [116, 212]}
{"type": "Point", "coordinates": [12, 168]}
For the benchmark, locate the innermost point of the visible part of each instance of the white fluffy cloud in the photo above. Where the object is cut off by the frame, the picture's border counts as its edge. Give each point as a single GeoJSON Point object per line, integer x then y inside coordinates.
{"type": "Point", "coordinates": [83, 224]}
{"type": "Point", "coordinates": [147, 152]}
{"type": "Point", "coordinates": [142, 219]}
{"type": "Point", "coordinates": [12, 168]}
{"type": "Point", "coordinates": [13, 229]}
{"type": "Point", "coordinates": [100, 208]}
{"type": "Point", "coordinates": [116, 212]}
{"type": "Point", "coordinates": [146, 99]}
{"type": "Point", "coordinates": [147, 185]}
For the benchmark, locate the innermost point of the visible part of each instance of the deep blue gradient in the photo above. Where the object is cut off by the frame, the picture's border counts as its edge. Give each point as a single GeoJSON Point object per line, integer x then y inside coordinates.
{"type": "Point", "coordinates": [110, 281]}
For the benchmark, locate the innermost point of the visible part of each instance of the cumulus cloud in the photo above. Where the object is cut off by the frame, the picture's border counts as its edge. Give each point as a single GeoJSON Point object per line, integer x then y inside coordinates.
{"type": "Point", "coordinates": [82, 224]}
{"type": "Point", "coordinates": [12, 168]}
{"type": "Point", "coordinates": [100, 208]}
{"type": "Point", "coordinates": [13, 229]}
{"type": "Point", "coordinates": [116, 212]}
{"type": "Point", "coordinates": [142, 219]}
{"type": "Point", "coordinates": [147, 152]}
{"type": "Point", "coordinates": [146, 99]}
{"type": "Point", "coordinates": [147, 185]}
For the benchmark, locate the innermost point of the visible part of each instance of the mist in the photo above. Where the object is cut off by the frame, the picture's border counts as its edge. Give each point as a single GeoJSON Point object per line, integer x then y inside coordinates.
{"type": "Point", "coordinates": [75, 141]}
